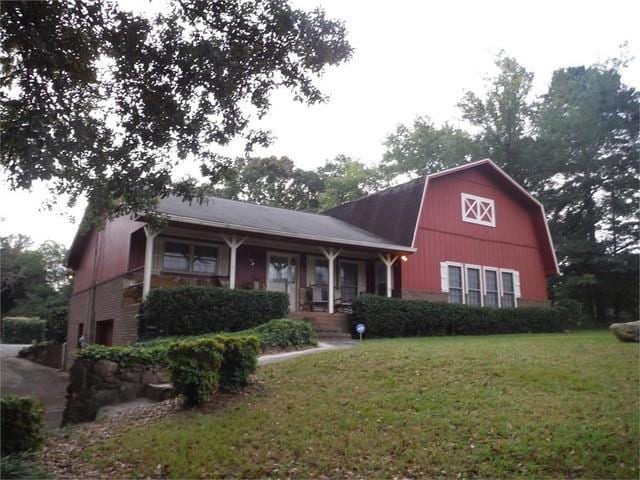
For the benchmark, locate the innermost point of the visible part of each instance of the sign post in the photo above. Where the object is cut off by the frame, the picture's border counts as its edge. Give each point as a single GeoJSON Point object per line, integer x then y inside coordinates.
{"type": "Point", "coordinates": [360, 328]}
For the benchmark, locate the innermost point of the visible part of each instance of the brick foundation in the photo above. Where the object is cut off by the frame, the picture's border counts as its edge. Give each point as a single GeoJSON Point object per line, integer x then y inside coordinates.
{"type": "Point", "coordinates": [429, 296]}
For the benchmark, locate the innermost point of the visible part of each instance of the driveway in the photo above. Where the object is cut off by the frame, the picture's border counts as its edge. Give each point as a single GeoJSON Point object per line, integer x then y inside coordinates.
{"type": "Point", "coordinates": [25, 378]}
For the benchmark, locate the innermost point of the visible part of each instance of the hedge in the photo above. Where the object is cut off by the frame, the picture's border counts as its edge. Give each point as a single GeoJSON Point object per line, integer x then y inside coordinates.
{"type": "Point", "coordinates": [55, 328]}
{"type": "Point", "coordinates": [21, 424]}
{"type": "Point", "coordinates": [240, 359]}
{"type": "Point", "coordinates": [285, 333]}
{"type": "Point", "coordinates": [393, 317]}
{"type": "Point", "coordinates": [22, 329]}
{"type": "Point", "coordinates": [195, 310]}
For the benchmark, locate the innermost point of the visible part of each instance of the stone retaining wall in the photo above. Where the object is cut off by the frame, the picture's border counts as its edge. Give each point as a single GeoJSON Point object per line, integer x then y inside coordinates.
{"type": "Point", "coordinates": [48, 354]}
{"type": "Point", "coordinates": [95, 384]}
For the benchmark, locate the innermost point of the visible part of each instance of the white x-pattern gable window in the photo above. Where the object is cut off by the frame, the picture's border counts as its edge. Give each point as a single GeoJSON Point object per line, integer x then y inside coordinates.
{"type": "Point", "coordinates": [478, 210]}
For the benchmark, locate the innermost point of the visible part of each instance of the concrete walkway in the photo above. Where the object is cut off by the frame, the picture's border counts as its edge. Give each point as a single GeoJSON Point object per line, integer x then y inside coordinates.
{"type": "Point", "coordinates": [322, 347]}
{"type": "Point", "coordinates": [25, 378]}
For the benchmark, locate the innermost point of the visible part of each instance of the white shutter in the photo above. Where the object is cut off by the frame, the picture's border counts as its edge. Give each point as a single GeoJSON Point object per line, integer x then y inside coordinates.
{"type": "Point", "coordinates": [444, 276]}
{"type": "Point", "coordinates": [516, 283]}
{"type": "Point", "coordinates": [158, 254]}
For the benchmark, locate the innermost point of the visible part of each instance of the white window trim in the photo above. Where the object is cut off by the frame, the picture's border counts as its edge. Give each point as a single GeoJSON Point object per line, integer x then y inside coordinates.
{"type": "Point", "coordinates": [498, 282]}
{"type": "Point", "coordinates": [191, 244]}
{"type": "Point", "coordinates": [515, 290]}
{"type": "Point", "coordinates": [462, 279]}
{"type": "Point", "coordinates": [471, 266]}
{"type": "Point", "coordinates": [491, 202]}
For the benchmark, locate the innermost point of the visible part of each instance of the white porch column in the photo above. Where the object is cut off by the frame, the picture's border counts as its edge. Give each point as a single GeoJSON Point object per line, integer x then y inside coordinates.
{"type": "Point", "coordinates": [331, 255]}
{"type": "Point", "coordinates": [233, 243]}
{"type": "Point", "coordinates": [151, 234]}
{"type": "Point", "coordinates": [389, 260]}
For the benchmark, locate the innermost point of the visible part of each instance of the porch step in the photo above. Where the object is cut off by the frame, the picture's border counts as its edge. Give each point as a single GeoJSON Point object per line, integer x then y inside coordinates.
{"type": "Point", "coordinates": [328, 326]}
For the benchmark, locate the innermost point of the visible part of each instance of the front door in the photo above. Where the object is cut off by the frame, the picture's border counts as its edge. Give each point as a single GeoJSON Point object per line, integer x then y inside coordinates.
{"type": "Point", "coordinates": [282, 276]}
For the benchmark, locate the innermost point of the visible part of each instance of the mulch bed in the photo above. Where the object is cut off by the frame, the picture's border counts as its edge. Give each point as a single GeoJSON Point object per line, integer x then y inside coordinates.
{"type": "Point", "coordinates": [64, 453]}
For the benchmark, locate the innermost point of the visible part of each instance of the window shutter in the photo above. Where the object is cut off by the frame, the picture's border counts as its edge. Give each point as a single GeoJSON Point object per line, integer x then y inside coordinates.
{"type": "Point", "coordinates": [516, 283]}
{"type": "Point", "coordinates": [223, 260]}
{"type": "Point", "coordinates": [444, 276]}
{"type": "Point", "coordinates": [158, 252]}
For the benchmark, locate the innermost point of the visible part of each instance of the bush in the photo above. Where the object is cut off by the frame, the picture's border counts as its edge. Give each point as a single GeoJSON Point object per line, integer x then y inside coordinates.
{"type": "Point", "coordinates": [21, 420]}
{"type": "Point", "coordinates": [21, 467]}
{"type": "Point", "coordinates": [393, 317]}
{"type": "Point", "coordinates": [22, 329]}
{"type": "Point", "coordinates": [195, 368]}
{"type": "Point", "coordinates": [199, 309]}
{"type": "Point", "coordinates": [285, 333]}
{"type": "Point", "coordinates": [55, 328]}
{"type": "Point", "coordinates": [142, 354]}
{"type": "Point", "coordinates": [240, 359]}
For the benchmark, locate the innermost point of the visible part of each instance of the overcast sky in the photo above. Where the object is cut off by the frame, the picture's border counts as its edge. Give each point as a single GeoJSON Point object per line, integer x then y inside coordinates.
{"type": "Point", "coordinates": [411, 58]}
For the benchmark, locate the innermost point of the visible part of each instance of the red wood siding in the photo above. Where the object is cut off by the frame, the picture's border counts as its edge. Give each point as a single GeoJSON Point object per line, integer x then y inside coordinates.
{"type": "Point", "coordinates": [442, 235]}
{"type": "Point", "coordinates": [106, 253]}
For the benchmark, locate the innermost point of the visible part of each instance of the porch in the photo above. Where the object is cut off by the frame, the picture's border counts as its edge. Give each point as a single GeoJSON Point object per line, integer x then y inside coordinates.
{"type": "Point", "coordinates": [318, 277]}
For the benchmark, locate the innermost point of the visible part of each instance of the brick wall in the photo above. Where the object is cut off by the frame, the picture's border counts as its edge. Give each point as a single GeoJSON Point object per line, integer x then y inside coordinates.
{"type": "Point", "coordinates": [429, 296]}
{"type": "Point", "coordinates": [110, 304]}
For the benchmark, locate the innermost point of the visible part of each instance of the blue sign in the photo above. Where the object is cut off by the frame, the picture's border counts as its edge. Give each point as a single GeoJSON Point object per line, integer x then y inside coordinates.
{"type": "Point", "coordinates": [360, 328]}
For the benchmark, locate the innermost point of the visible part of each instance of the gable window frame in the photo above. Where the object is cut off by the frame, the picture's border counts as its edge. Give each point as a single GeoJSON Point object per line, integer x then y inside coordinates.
{"type": "Point", "coordinates": [478, 210]}
{"type": "Point", "coordinates": [191, 259]}
{"type": "Point", "coordinates": [478, 268]}
{"type": "Point", "coordinates": [497, 291]}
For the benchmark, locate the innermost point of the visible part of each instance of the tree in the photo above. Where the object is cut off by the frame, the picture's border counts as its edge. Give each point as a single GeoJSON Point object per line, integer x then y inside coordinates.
{"type": "Point", "coordinates": [346, 179]}
{"type": "Point", "coordinates": [271, 181]}
{"type": "Point", "coordinates": [503, 118]}
{"type": "Point", "coordinates": [32, 280]}
{"type": "Point", "coordinates": [104, 103]}
{"type": "Point", "coordinates": [587, 127]}
{"type": "Point", "coordinates": [425, 148]}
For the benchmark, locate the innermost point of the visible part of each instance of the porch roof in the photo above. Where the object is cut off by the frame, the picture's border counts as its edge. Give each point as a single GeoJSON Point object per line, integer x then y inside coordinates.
{"type": "Point", "coordinates": [251, 218]}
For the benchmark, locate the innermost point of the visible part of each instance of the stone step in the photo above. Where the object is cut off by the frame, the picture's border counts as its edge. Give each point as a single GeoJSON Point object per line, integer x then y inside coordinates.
{"type": "Point", "coordinates": [159, 392]}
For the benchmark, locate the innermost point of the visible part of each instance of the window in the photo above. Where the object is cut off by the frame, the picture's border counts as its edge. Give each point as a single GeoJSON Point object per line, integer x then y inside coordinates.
{"type": "Point", "coordinates": [104, 332]}
{"type": "Point", "coordinates": [508, 290]}
{"type": "Point", "coordinates": [186, 257]}
{"type": "Point", "coordinates": [480, 286]}
{"type": "Point", "coordinates": [455, 284]}
{"type": "Point", "coordinates": [492, 294]}
{"type": "Point", "coordinates": [474, 292]}
{"type": "Point", "coordinates": [478, 210]}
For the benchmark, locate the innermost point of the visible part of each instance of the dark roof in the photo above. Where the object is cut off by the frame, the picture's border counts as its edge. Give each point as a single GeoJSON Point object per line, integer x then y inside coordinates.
{"type": "Point", "coordinates": [249, 217]}
{"type": "Point", "coordinates": [391, 213]}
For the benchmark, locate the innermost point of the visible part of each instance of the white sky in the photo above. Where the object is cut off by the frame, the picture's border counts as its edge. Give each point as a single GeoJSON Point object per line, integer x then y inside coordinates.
{"type": "Point", "coordinates": [411, 58]}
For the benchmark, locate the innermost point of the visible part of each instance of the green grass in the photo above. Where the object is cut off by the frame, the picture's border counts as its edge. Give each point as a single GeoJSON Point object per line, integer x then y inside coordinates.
{"type": "Point", "coordinates": [548, 405]}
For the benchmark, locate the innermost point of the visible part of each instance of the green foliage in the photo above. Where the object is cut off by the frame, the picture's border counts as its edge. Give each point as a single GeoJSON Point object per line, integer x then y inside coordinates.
{"type": "Point", "coordinates": [195, 368]}
{"type": "Point", "coordinates": [345, 180]}
{"type": "Point", "coordinates": [139, 354]}
{"type": "Point", "coordinates": [271, 181]}
{"type": "Point", "coordinates": [239, 360]}
{"type": "Point", "coordinates": [55, 327]}
{"type": "Point", "coordinates": [285, 333]}
{"type": "Point", "coordinates": [21, 419]}
{"type": "Point", "coordinates": [200, 309]}
{"type": "Point", "coordinates": [22, 467]}
{"type": "Point", "coordinates": [392, 317]}
{"type": "Point", "coordinates": [178, 83]}
{"type": "Point", "coordinates": [22, 329]}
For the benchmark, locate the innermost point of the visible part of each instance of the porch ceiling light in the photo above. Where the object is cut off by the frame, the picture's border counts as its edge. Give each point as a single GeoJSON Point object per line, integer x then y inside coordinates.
{"type": "Point", "coordinates": [404, 258]}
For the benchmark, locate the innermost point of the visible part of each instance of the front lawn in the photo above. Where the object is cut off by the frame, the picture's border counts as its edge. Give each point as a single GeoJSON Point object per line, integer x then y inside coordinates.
{"type": "Point", "coordinates": [560, 405]}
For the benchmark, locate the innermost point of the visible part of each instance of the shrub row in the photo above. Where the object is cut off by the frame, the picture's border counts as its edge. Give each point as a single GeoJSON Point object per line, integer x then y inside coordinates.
{"type": "Point", "coordinates": [201, 309]}
{"type": "Point", "coordinates": [392, 317]}
{"type": "Point", "coordinates": [285, 333]}
{"type": "Point", "coordinates": [21, 424]}
{"type": "Point", "coordinates": [22, 329]}
{"type": "Point", "coordinates": [197, 366]}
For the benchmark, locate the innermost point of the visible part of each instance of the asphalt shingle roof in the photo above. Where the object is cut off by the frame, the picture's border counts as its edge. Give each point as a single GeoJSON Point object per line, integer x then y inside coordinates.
{"type": "Point", "coordinates": [242, 216]}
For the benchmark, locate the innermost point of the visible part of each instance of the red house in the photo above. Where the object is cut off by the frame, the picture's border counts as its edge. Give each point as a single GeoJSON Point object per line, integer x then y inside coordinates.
{"type": "Point", "coordinates": [469, 235]}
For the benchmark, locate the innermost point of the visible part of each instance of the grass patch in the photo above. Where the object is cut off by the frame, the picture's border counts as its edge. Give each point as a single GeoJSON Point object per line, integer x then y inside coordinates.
{"type": "Point", "coordinates": [547, 405]}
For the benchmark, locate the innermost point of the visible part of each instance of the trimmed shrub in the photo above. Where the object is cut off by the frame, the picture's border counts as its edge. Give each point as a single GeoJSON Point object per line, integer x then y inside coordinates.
{"type": "Point", "coordinates": [195, 368]}
{"type": "Point", "coordinates": [21, 424]}
{"type": "Point", "coordinates": [240, 359]}
{"type": "Point", "coordinates": [22, 467]}
{"type": "Point", "coordinates": [285, 333]}
{"type": "Point", "coordinates": [393, 317]}
{"type": "Point", "coordinates": [156, 354]}
{"type": "Point", "coordinates": [22, 329]}
{"type": "Point", "coordinates": [55, 328]}
{"type": "Point", "coordinates": [195, 310]}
